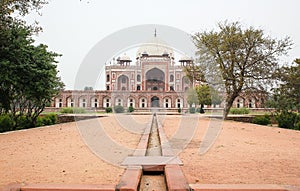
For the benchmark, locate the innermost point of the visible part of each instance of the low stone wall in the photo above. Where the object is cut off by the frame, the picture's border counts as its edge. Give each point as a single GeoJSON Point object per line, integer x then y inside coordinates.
{"type": "Point", "coordinates": [71, 118]}
{"type": "Point", "coordinates": [245, 119]}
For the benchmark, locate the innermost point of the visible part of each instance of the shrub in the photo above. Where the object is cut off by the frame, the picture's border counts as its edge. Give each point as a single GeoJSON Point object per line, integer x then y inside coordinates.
{"type": "Point", "coordinates": [66, 110]}
{"type": "Point", "coordinates": [23, 122]}
{"type": "Point", "coordinates": [179, 110]}
{"type": "Point", "coordinates": [6, 123]}
{"type": "Point", "coordinates": [239, 111]}
{"type": "Point", "coordinates": [49, 119]}
{"type": "Point", "coordinates": [53, 117]}
{"type": "Point", "coordinates": [130, 109]}
{"type": "Point", "coordinates": [119, 109]}
{"type": "Point", "coordinates": [200, 110]}
{"type": "Point", "coordinates": [72, 110]}
{"type": "Point", "coordinates": [262, 120]}
{"type": "Point", "coordinates": [297, 125]}
{"type": "Point", "coordinates": [108, 110]}
{"type": "Point", "coordinates": [192, 110]}
{"type": "Point", "coordinates": [287, 120]}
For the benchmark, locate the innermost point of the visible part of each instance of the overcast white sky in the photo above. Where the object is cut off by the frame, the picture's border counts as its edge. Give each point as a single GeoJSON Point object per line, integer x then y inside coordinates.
{"type": "Point", "coordinates": [72, 28]}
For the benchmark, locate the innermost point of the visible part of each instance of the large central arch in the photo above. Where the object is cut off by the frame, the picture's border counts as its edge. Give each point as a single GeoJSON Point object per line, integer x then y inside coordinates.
{"type": "Point", "coordinates": [155, 80]}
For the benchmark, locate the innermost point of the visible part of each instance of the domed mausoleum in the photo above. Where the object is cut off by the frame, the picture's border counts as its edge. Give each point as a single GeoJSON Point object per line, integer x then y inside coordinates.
{"type": "Point", "coordinates": [152, 79]}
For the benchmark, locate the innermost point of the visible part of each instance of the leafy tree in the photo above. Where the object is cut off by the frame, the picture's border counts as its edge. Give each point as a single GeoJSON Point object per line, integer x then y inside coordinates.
{"type": "Point", "coordinates": [194, 72]}
{"type": "Point", "coordinates": [192, 97]}
{"type": "Point", "coordinates": [287, 96]}
{"type": "Point", "coordinates": [204, 95]}
{"type": "Point", "coordinates": [245, 57]}
{"type": "Point", "coordinates": [28, 77]}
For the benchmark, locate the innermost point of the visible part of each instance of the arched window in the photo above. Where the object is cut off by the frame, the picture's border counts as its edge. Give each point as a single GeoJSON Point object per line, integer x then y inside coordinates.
{"type": "Point", "coordinates": [171, 78]}
{"type": "Point", "coordinates": [138, 78]}
{"type": "Point", "coordinates": [107, 87]}
{"type": "Point", "coordinates": [70, 102]}
{"type": "Point", "coordinates": [171, 88]}
{"type": "Point", "coordinates": [107, 78]}
{"type": "Point", "coordinates": [94, 102]}
{"type": "Point", "coordinates": [123, 81]}
{"type": "Point", "coordinates": [179, 103]}
{"type": "Point", "coordinates": [138, 88]}
{"type": "Point", "coordinates": [131, 102]}
{"type": "Point", "coordinates": [143, 103]}
{"type": "Point", "coordinates": [82, 102]}
{"type": "Point", "coordinates": [166, 102]}
{"type": "Point", "coordinates": [106, 102]}
{"type": "Point", "coordinates": [119, 101]}
{"type": "Point", "coordinates": [60, 103]}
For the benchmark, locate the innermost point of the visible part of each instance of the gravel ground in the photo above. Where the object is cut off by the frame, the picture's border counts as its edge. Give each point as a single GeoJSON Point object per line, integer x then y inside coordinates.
{"type": "Point", "coordinates": [242, 153]}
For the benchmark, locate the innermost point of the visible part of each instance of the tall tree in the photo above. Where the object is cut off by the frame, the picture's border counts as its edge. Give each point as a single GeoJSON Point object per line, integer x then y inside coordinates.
{"type": "Point", "coordinates": [28, 75]}
{"type": "Point", "coordinates": [28, 79]}
{"type": "Point", "coordinates": [245, 57]}
{"type": "Point", "coordinates": [287, 96]}
{"type": "Point", "coordinates": [204, 95]}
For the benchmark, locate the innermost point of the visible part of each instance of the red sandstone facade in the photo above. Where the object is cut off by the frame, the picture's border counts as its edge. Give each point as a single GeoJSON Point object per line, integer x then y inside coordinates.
{"type": "Point", "coordinates": [155, 80]}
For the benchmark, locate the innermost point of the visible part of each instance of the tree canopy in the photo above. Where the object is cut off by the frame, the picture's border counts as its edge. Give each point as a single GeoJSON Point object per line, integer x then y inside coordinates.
{"type": "Point", "coordinates": [286, 97]}
{"type": "Point", "coordinates": [204, 95]}
{"type": "Point", "coordinates": [244, 57]}
{"type": "Point", "coordinates": [28, 75]}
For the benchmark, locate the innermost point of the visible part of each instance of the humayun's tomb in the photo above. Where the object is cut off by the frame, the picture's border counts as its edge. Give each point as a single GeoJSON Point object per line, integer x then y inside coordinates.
{"type": "Point", "coordinates": [154, 80]}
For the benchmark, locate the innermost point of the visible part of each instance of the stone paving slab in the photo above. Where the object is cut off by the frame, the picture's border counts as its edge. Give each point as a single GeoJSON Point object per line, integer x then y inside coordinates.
{"type": "Point", "coordinates": [130, 179]}
{"type": "Point", "coordinates": [175, 178]}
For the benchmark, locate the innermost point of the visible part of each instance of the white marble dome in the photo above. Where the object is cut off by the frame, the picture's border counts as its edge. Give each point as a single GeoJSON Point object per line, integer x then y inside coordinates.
{"type": "Point", "coordinates": [155, 47]}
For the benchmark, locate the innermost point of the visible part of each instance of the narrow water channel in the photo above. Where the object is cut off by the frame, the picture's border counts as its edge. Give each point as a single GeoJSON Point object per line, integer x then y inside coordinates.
{"type": "Point", "coordinates": [154, 146]}
{"type": "Point", "coordinates": [153, 181]}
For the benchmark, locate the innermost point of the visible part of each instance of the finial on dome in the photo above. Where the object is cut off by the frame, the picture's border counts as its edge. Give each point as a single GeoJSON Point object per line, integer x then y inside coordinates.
{"type": "Point", "coordinates": [155, 32]}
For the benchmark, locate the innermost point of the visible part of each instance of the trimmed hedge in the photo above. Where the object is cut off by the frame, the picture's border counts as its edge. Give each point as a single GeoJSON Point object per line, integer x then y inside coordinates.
{"type": "Point", "coordinates": [48, 119]}
{"type": "Point", "coordinates": [288, 120]}
{"type": "Point", "coordinates": [262, 120]}
{"type": "Point", "coordinates": [130, 109]}
{"type": "Point", "coordinates": [239, 111]}
{"type": "Point", "coordinates": [179, 110]}
{"type": "Point", "coordinates": [6, 123]}
{"type": "Point", "coordinates": [72, 110]}
{"type": "Point", "coordinates": [108, 110]}
{"type": "Point", "coordinates": [119, 109]}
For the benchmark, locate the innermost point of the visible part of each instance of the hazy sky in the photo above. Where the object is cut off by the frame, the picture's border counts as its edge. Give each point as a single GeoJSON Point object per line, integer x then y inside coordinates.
{"type": "Point", "coordinates": [72, 28]}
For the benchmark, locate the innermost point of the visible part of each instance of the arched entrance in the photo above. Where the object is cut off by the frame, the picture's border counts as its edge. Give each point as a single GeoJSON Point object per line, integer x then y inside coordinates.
{"type": "Point", "coordinates": [155, 80]}
{"type": "Point", "coordinates": [154, 101]}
